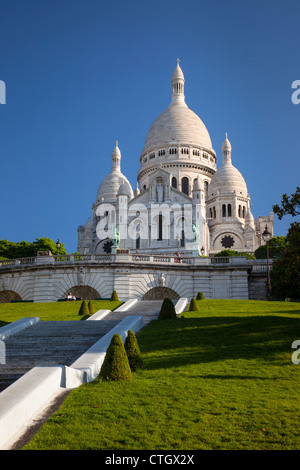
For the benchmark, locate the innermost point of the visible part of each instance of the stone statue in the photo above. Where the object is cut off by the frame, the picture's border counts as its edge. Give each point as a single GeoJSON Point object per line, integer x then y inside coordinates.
{"type": "Point", "coordinates": [196, 233]}
{"type": "Point", "coordinates": [80, 276]}
{"type": "Point", "coordinates": [162, 280]}
{"type": "Point", "coordinates": [116, 239]}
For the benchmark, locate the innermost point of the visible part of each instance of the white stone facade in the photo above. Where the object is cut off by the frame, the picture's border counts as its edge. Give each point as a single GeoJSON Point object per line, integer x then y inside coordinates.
{"type": "Point", "coordinates": [132, 276]}
{"type": "Point", "coordinates": [179, 188]}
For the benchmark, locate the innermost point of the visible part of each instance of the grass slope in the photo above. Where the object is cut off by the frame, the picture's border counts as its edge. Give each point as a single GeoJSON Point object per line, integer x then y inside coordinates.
{"type": "Point", "coordinates": [219, 378]}
{"type": "Point", "coordinates": [48, 311]}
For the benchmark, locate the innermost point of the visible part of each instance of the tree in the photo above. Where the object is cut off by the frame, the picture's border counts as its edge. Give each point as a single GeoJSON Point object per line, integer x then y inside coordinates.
{"type": "Point", "coordinates": [285, 272]}
{"type": "Point", "coordinates": [233, 253]}
{"type": "Point", "coordinates": [167, 310]}
{"type": "Point", "coordinates": [193, 306]}
{"type": "Point", "coordinates": [114, 296]}
{"type": "Point", "coordinates": [115, 365]}
{"type": "Point", "coordinates": [276, 248]}
{"type": "Point", "coordinates": [91, 308]}
{"type": "Point", "coordinates": [133, 351]}
{"type": "Point", "coordinates": [23, 249]}
{"type": "Point", "coordinates": [84, 308]}
{"type": "Point", "coordinates": [290, 205]}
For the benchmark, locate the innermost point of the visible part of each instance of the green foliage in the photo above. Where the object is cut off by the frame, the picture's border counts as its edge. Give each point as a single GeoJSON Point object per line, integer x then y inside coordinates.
{"type": "Point", "coordinates": [133, 351]}
{"type": "Point", "coordinates": [167, 310]}
{"type": "Point", "coordinates": [116, 365]}
{"type": "Point", "coordinates": [193, 306]}
{"type": "Point", "coordinates": [285, 272]}
{"type": "Point", "coordinates": [226, 253]}
{"type": "Point", "coordinates": [12, 250]}
{"type": "Point", "coordinates": [84, 308]}
{"type": "Point", "coordinates": [200, 296]}
{"type": "Point", "coordinates": [276, 248]}
{"type": "Point", "coordinates": [290, 205]}
{"type": "Point", "coordinates": [91, 308]}
{"type": "Point", "coordinates": [114, 296]}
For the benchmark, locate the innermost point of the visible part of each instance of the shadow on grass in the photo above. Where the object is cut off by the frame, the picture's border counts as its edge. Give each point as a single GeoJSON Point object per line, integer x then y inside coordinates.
{"type": "Point", "coordinates": [174, 343]}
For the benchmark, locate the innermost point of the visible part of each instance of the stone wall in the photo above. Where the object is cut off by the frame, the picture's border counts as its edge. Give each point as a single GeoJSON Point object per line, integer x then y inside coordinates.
{"type": "Point", "coordinates": [228, 278]}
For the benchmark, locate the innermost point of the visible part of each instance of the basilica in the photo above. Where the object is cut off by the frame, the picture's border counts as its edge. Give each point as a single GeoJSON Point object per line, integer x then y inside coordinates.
{"type": "Point", "coordinates": [183, 202]}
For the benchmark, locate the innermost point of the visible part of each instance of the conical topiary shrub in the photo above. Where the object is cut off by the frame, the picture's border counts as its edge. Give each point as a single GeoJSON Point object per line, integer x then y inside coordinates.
{"type": "Point", "coordinates": [133, 351]}
{"type": "Point", "coordinates": [193, 305]}
{"type": "Point", "coordinates": [91, 308]}
{"type": "Point", "coordinates": [84, 309]}
{"type": "Point", "coordinates": [114, 296]}
{"type": "Point", "coordinates": [167, 310]}
{"type": "Point", "coordinates": [115, 365]}
{"type": "Point", "coordinates": [200, 296]}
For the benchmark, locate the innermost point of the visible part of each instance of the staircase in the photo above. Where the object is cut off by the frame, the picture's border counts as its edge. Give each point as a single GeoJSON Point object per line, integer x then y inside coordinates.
{"type": "Point", "coordinates": [49, 343]}
{"type": "Point", "coordinates": [149, 309]}
{"type": "Point", "coordinates": [52, 343]}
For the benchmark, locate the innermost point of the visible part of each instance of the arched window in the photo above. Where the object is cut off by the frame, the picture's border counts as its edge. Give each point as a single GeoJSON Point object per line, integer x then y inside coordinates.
{"type": "Point", "coordinates": [206, 188]}
{"type": "Point", "coordinates": [160, 227]}
{"type": "Point", "coordinates": [229, 210]}
{"type": "Point", "coordinates": [244, 211]}
{"type": "Point", "coordinates": [174, 182]}
{"type": "Point", "coordinates": [138, 243]}
{"type": "Point", "coordinates": [182, 238]}
{"type": "Point", "coordinates": [240, 211]}
{"type": "Point", "coordinates": [210, 213]}
{"type": "Point", "coordinates": [185, 185]}
{"type": "Point", "coordinates": [223, 210]}
{"type": "Point", "coordinates": [214, 209]}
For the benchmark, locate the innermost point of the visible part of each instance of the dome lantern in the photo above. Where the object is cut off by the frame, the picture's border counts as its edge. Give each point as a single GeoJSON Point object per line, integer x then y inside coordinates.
{"type": "Point", "coordinates": [226, 150]}
{"type": "Point", "coordinates": [178, 85]}
{"type": "Point", "coordinates": [116, 158]}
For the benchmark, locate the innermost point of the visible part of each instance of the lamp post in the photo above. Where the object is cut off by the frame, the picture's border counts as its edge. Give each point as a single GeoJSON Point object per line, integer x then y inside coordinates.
{"type": "Point", "coordinates": [58, 245]}
{"type": "Point", "coordinates": [267, 237]}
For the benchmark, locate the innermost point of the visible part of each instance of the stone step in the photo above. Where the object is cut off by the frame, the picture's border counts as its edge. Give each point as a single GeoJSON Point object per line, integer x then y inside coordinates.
{"type": "Point", "coordinates": [49, 343]}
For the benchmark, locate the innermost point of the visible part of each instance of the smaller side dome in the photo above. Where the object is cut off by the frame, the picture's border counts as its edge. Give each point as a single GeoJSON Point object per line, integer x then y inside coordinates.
{"type": "Point", "coordinates": [109, 188]}
{"type": "Point", "coordinates": [125, 190]}
{"type": "Point", "coordinates": [227, 178]}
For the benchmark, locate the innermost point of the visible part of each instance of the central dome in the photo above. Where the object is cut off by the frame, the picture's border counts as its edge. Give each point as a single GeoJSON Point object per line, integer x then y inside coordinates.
{"type": "Point", "coordinates": [178, 124]}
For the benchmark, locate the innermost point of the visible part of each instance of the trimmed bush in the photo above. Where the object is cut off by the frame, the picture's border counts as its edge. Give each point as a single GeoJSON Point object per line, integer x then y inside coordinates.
{"type": "Point", "coordinates": [193, 305]}
{"type": "Point", "coordinates": [84, 309]}
{"type": "Point", "coordinates": [133, 351]}
{"type": "Point", "coordinates": [91, 308]}
{"type": "Point", "coordinates": [200, 296]}
{"type": "Point", "coordinates": [114, 296]}
{"type": "Point", "coordinates": [115, 365]}
{"type": "Point", "coordinates": [167, 310]}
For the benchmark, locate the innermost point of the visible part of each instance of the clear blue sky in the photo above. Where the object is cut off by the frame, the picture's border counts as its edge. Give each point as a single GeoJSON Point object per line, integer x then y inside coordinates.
{"type": "Point", "coordinates": [82, 74]}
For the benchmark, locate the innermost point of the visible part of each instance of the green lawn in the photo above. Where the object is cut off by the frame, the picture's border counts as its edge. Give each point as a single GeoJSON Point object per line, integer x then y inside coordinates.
{"type": "Point", "coordinates": [221, 378]}
{"type": "Point", "coordinates": [48, 311]}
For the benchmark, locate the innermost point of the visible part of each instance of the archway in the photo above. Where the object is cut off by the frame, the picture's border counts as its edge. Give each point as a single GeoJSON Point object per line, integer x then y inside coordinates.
{"type": "Point", "coordinates": [84, 292]}
{"type": "Point", "coordinates": [160, 293]}
{"type": "Point", "coordinates": [7, 296]}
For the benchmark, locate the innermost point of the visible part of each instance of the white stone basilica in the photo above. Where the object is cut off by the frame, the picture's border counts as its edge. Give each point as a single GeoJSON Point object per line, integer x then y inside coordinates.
{"type": "Point", "coordinates": [182, 202]}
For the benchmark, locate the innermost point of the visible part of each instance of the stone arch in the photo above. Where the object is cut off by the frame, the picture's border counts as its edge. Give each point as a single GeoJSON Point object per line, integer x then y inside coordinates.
{"type": "Point", "coordinates": [84, 292]}
{"type": "Point", "coordinates": [160, 293]}
{"type": "Point", "coordinates": [7, 296]}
